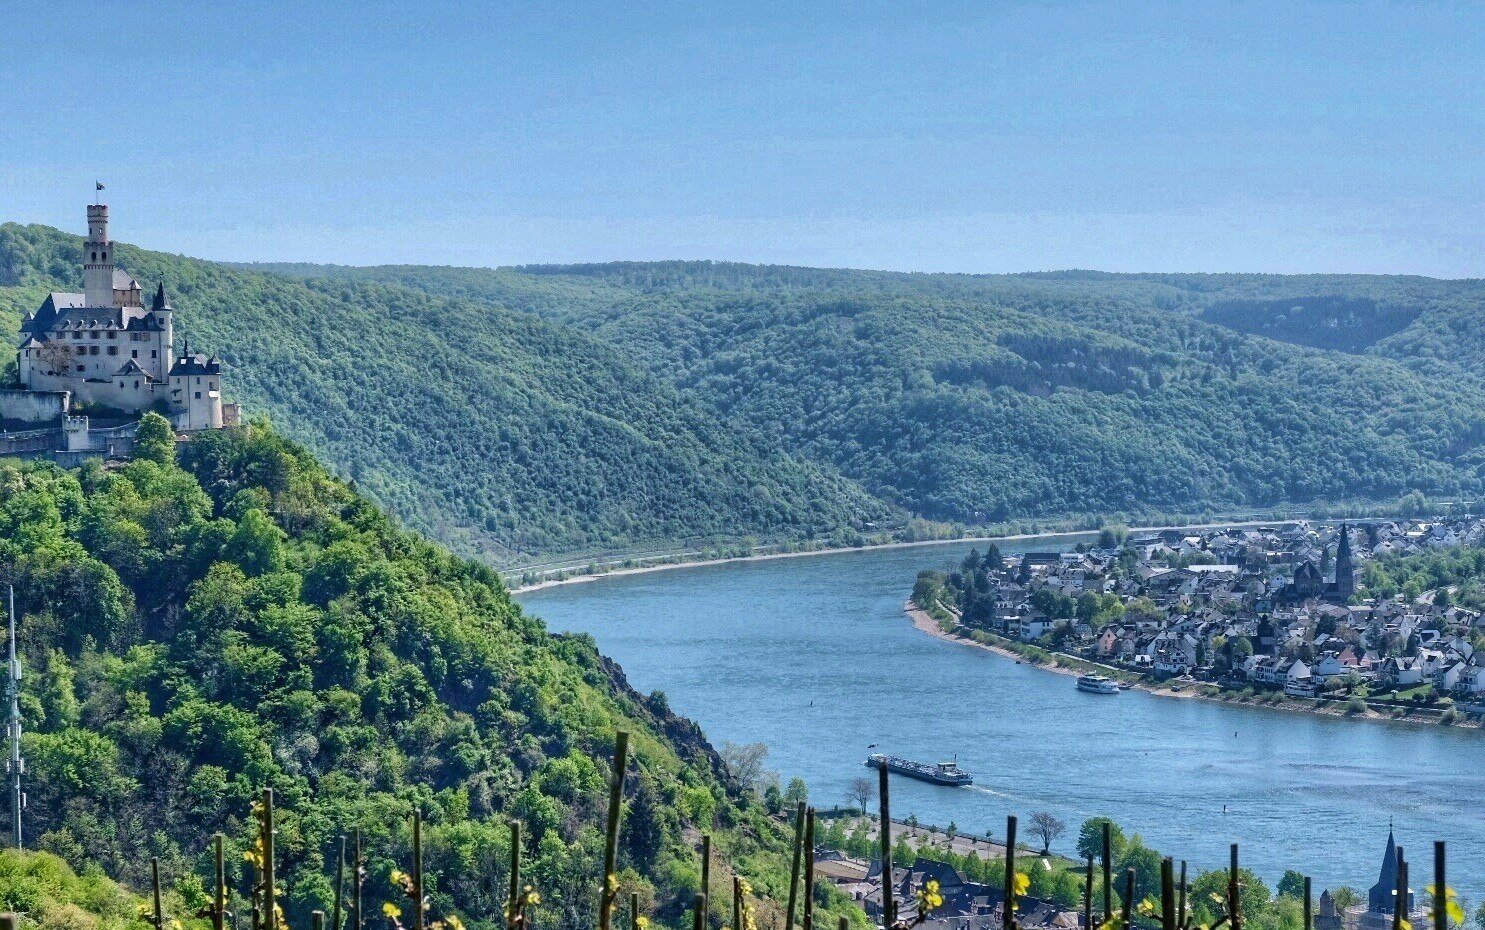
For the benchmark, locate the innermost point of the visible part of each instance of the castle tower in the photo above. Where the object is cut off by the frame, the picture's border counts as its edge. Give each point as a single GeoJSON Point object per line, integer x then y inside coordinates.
{"type": "Point", "coordinates": [161, 309]}
{"type": "Point", "coordinates": [1345, 571]}
{"type": "Point", "coordinates": [98, 259]}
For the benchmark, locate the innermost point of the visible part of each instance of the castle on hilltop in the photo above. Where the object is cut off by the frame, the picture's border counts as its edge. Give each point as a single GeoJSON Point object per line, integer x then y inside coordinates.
{"type": "Point", "coordinates": [104, 353]}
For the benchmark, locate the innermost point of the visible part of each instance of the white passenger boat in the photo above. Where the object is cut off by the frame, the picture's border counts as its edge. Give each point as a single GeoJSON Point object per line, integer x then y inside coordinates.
{"type": "Point", "coordinates": [1097, 684]}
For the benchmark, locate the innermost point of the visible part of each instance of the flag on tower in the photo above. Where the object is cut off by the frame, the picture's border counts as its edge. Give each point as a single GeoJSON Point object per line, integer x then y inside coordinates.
{"type": "Point", "coordinates": [98, 185]}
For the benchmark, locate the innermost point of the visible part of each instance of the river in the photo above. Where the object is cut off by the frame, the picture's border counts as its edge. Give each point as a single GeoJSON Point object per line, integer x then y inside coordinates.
{"type": "Point", "coordinates": [814, 657]}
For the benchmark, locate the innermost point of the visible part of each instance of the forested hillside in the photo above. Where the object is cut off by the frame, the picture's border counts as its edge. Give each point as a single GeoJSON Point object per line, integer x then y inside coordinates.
{"type": "Point", "coordinates": [506, 435]}
{"type": "Point", "coordinates": [195, 632]}
{"type": "Point", "coordinates": [521, 414]}
{"type": "Point", "coordinates": [986, 398]}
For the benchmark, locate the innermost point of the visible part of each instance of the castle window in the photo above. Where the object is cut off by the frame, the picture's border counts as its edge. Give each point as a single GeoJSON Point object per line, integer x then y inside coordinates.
{"type": "Point", "coordinates": [105, 256]}
{"type": "Point", "coordinates": [93, 335]}
{"type": "Point", "coordinates": [134, 353]}
{"type": "Point", "coordinates": [136, 384]}
{"type": "Point", "coordinates": [113, 350]}
{"type": "Point", "coordinates": [112, 334]}
{"type": "Point", "coordinates": [95, 256]}
{"type": "Point", "coordinates": [92, 350]}
{"type": "Point", "coordinates": [82, 368]}
{"type": "Point", "coordinates": [198, 395]}
{"type": "Point", "coordinates": [152, 353]}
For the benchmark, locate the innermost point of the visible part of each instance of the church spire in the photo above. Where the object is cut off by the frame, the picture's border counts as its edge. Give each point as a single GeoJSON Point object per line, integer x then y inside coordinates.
{"type": "Point", "coordinates": [1345, 571]}
{"type": "Point", "coordinates": [161, 302]}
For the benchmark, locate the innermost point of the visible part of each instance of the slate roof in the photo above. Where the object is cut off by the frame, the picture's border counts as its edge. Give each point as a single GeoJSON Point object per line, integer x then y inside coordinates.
{"type": "Point", "coordinates": [131, 368]}
{"type": "Point", "coordinates": [195, 363]}
{"type": "Point", "coordinates": [61, 311]}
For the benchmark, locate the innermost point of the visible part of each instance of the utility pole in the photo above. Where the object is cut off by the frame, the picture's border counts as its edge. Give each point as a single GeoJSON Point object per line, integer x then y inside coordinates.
{"type": "Point", "coordinates": [15, 766]}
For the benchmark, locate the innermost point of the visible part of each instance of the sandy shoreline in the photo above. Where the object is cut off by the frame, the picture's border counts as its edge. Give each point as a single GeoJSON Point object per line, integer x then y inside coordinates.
{"type": "Point", "coordinates": [770, 556]}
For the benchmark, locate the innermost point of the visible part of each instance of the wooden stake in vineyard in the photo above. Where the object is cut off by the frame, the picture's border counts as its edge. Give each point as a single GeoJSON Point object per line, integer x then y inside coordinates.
{"type": "Point", "coordinates": [889, 899]}
{"type": "Point", "coordinates": [1440, 889]}
{"type": "Point", "coordinates": [1182, 905]}
{"type": "Point", "coordinates": [419, 911]}
{"type": "Point", "coordinates": [219, 886]}
{"type": "Point", "coordinates": [339, 886]}
{"type": "Point", "coordinates": [512, 904]}
{"type": "Point", "coordinates": [1088, 896]}
{"type": "Point", "coordinates": [1108, 873]}
{"type": "Point", "coordinates": [1167, 894]}
{"type": "Point", "coordinates": [809, 871]}
{"type": "Point", "coordinates": [157, 918]}
{"type": "Point", "coordinates": [794, 867]}
{"type": "Point", "coordinates": [1008, 910]}
{"type": "Point", "coordinates": [270, 889]}
{"type": "Point", "coordinates": [706, 873]}
{"type": "Point", "coordinates": [1234, 901]}
{"type": "Point", "coordinates": [611, 841]}
{"type": "Point", "coordinates": [358, 879]}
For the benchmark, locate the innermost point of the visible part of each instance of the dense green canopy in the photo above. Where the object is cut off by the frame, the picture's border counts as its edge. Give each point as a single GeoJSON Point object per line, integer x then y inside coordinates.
{"type": "Point", "coordinates": [196, 632]}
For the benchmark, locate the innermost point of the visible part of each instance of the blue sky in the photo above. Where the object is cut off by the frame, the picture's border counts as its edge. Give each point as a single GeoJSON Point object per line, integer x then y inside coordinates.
{"type": "Point", "coordinates": [977, 137]}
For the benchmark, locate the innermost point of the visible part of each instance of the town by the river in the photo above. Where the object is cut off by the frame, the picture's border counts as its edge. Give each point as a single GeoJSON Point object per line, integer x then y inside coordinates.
{"type": "Point", "coordinates": [815, 658]}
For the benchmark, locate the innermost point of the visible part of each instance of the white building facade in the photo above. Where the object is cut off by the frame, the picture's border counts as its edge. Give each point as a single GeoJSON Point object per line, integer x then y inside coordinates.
{"type": "Point", "coordinates": [106, 349]}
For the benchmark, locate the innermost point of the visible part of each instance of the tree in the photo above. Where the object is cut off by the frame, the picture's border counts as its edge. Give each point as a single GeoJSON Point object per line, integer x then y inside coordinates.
{"type": "Point", "coordinates": [1146, 864]}
{"type": "Point", "coordinates": [1345, 896]}
{"type": "Point", "coordinates": [796, 793]}
{"type": "Point", "coordinates": [745, 762]}
{"type": "Point", "coordinates": [1211, 887]}
{"type": "Point", "coordinates": [155, 441]}
{"type": "Point", "coordinates": [1048, 827]}
{"type": "Point", "coordinates": [860, 792]}
{"type": "Point", "coordinates": [1292, 884]}
{"type": "Point", "coordinates": [1090, 838]}
{"type": "Point", "coordinates": [1239, 649]}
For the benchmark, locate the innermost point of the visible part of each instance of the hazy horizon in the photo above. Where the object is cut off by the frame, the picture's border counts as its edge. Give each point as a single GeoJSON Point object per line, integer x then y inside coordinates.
{"type": "Point", "coordinates": [1281, 137]}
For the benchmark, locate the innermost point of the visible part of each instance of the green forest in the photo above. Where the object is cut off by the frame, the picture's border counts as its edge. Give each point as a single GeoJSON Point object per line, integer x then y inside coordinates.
{"type": "Point", "coordinates": [527, 414]}
{"type": "Point", "coordinates": [980, 399]}
{"type": "Point", "coordinates": [202, 624]}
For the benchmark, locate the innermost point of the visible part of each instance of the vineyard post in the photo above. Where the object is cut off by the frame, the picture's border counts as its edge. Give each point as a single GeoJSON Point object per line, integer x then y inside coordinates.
{"type": "Point", "coordinates": [611, 838]}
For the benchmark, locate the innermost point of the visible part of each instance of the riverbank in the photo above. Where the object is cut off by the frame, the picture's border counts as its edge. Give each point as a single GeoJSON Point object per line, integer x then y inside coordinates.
{"type": "Point", "coordinates": [601, 570]}
{"type": "Point", "coordinates": [1063, 664]}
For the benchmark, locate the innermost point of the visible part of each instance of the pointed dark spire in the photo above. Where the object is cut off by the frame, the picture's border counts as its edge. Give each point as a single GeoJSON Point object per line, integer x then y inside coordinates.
{"type": "Point", "coordinates": [1381, 896]}
{"type": "Point", "coordinates": [160, 301]}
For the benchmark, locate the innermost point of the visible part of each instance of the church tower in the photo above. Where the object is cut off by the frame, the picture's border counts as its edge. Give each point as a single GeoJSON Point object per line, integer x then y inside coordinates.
{"type": "Point", "coordinates": [1345, 571]}
{"type": "Point", "coordinates": [98, 259]}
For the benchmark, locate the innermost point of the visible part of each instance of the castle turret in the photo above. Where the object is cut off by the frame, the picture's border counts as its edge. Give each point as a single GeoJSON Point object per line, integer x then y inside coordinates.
{"type": "Point", "coordinates": [160, 308]}
{"type": "Point", "coordinates": [98, 259]}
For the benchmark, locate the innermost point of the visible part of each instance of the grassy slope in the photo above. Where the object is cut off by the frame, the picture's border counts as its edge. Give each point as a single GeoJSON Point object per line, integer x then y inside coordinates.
{"type": "Point", "coordinates": [500, 432]}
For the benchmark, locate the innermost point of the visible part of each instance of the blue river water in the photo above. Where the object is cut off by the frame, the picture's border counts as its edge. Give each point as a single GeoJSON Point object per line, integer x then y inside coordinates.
{"type": "Point", "coordinates": [815, 658]}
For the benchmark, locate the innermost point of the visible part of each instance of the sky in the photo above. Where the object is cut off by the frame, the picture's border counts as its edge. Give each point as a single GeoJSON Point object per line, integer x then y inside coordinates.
{"type": "Point", "coordinates": [942, 136]}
